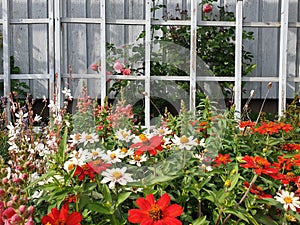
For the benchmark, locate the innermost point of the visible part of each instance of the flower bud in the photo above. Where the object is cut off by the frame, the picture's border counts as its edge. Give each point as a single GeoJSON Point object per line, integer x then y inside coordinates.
{"type": "Point", "coordinates": [22, 209]}
{"type": "Point", "coordinates": [24, 176]}
{"type": "Point", "coordinates": [29, 221]}
{"type": "Point", "coordinates": [30, 210]}
{"type": "Point", "coordinates": [2, 192]}
{"type": "Point", "coordinates": [4, 180]}
{"type": "Point", "coordinates": [14, 198]}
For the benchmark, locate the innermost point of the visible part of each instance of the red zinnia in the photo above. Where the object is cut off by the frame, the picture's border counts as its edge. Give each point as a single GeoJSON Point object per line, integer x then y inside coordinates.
{"type": "Point", "coordinates": [84, 170]}
{"type": "Point", "coordinates": [62, 217]}
{"type": "Point", "coordinates": [260, 165]}
{"type": "Point", "coordinates": [257, 191]}
{"type": "Point", "coordinates": [222, 159]}
{"type": "Point", "coordinates": [151, 145]}
{"type": "Point", "coordinates": [153, 212]}
{"type": "Point", "coordinates": [247, 123]}
{"type": "Point", "coordinates": [98, 165]}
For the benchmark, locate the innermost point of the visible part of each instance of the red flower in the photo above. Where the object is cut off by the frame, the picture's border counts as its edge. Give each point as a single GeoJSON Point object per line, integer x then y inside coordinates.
{"type": "Point", "coordinates": [257, 191]}
{"type": "Point", "coordinates": [260, 166]}
{"type": "Point", "coordinates": [98, 165]}
{"type": "Point", "coordinates": [248, 123]}
{"type": "Point", "coordinates": [222, 159]}
{"type": "Point", "coordinates": [62, 217]}
{"type": "Point", "coordinates": [153, 212]}
{"type": "Point", "coordinates": [273, 128]}
{"type": "Point", "coordinates": [85, 170]}
{"type": "Point", "coordinates": [291, 146]}
{"type": "Point", "coordinates": [151, 145]}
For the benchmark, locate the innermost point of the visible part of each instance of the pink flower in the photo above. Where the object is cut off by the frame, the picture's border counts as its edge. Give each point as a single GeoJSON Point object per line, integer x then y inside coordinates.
{"type": "Point", "coordinates": [207, 8]}
{"type": "Point", "coordinates": [118, 67]}
{"type": "Point", "coordinates": [8, 215]}
{"type": "Point", "coordinates": [29, 222]}
{"type": "Point", "coordinates": [94, 67]}
{"type": "Point", "coordinates": [126, 71]}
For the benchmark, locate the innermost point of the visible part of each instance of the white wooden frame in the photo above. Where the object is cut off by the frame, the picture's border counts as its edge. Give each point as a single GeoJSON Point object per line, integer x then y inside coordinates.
{"type": "Point", "coordinates": [55, 20]}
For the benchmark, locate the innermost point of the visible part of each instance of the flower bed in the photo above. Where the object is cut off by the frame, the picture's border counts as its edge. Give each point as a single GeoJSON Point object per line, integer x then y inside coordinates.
{"type": "Point", "coordinates": [98, 167]}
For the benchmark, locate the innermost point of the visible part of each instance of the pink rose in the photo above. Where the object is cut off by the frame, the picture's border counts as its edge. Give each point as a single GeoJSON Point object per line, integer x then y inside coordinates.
{"type": "Point", "coordinates": [207, 8]}
{"type": "Point", "coordinates": [126, 71]}
{"type": "Point", "coordinates": [118, 67]}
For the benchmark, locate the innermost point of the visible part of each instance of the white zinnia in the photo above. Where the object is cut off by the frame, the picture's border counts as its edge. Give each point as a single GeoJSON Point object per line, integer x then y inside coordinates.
{"type": "Point", "coordinates": [124, 135]}
{"type": "Point", "coordinates": [89, 138]}
{"type": "Point", "coordinates": [288, 200]}
{"type": "Point", "coordinates": [184, 142]}
{"type": "Point", "coordinates": [116, 175]}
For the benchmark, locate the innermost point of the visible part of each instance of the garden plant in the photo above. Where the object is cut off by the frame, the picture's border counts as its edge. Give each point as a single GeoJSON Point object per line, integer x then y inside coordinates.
{"type": "Point", "coordinates": [100, 165]}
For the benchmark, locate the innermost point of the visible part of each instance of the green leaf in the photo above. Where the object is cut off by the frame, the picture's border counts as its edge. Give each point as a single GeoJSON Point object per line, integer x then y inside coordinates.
{"type": "Point", "coordinates": [106, 193]}
{"type": "Point", "coordinates": [200, 221]}
{"type": "Point", "coordinates": [237, 213]}
{"type": "Point", "coordinates": [99, 208]}
{"type": "Point", "coordinates": [122, 197]}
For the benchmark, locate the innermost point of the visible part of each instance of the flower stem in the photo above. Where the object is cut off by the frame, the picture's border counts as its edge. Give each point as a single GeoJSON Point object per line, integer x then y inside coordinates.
{"type": "Point", "coordinates": [242, 199]}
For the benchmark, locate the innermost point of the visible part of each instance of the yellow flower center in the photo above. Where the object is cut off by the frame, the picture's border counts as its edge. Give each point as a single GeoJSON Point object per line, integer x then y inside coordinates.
{"type": "Point", "coordinates": [124, 150]}
{"type": "Point", "coordinates": [88, 137]}
{"type": "Point", "coordinates": [288, 200]}
{"type": "Point", "coordinates": [112, 155]}
{"type": "Point", "coordinates": [77, 137]}
{"type": "Point", "coordinates": [161, 131]}
{"type": "Point", "coordinates": [137, 158]}
{"type": "Point", "coordinates": [71, 166]}
{"type": "Point", "coordinates": [124, 134]}
{"type": "Point", "coordinates": [95, 154]}
{"type": "Point", "coordinates": [155, 213]}
{"type": "Point", "coordinates": [117, 174]}
{"type": "Point", "coordinates": [184, 140]}
{"type": "Point", "coordinates": [143, 137]}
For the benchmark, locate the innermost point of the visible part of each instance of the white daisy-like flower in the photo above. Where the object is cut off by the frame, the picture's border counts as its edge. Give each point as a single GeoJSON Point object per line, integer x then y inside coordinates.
{"type": "Point", "coordinates": [70, 164]}
{"type": "Point", "coordinates": [82, 156]}
{"type": "Point", "coordinates": [162, 131]}
{"type": "Point", "coordinates": [97, 153]}
{"type": "Point", "coordinates": [137, 160]}
{"type": "Point", "coordinates": [184, 142]}
{"type": "Point", "coordinates": [124, 135]}
{"type": "Point", "coordinates": [142, 137]}
{"type": "Point", "coordinates": [124, 152]}
{"type": "Point", "coordinates": [116, 175]}
{"type": "Point", "coordinates": [89, 138]}
{"type": "Point", "coordinates": [288, 200]}
{"type": "Point", "coordinates": [75, 139]}
{"type": "Point", "coordinates": [112, 156]}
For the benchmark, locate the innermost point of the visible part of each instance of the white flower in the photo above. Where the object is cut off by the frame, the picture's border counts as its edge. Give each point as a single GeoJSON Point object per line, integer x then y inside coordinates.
{"type": "Point", "coordinates": [138, 159]}
{"type": "Point", "coordinates": [37, 118]}
{"type": "Point", "coordinates": [202, 142]}
{"type": "Point", "coordinates": [184, 142]}
{"type": "Point", "coordinates": [70, 164]}
{"type": "Point", "coordinates": [67, 93]}
{"type": "Point", "coordinates": [53, 106]}
{"type": "Point", "coordinates": [124, 135]}
{"type": "Point", "coordinates": [116, 175]}
{"type": "Point", "coordinates": [162, 131]}
{"type": "Point", "coordinates": [97, 153]}
{"type": "Point", "coordinates": [37, 194]}
{"type": "Point", "coordinates": [123, 152]}
{"type": "Point", "coordinates": [288, 200]}
{"type": "Point", "coordinates": [75, 139]}
{"type": "Point", "coordinates": [89, 138]}
{"type": "Point", "coordinates": [112, 156]}
{"type": "Point", "coordinates": [82, 156]}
